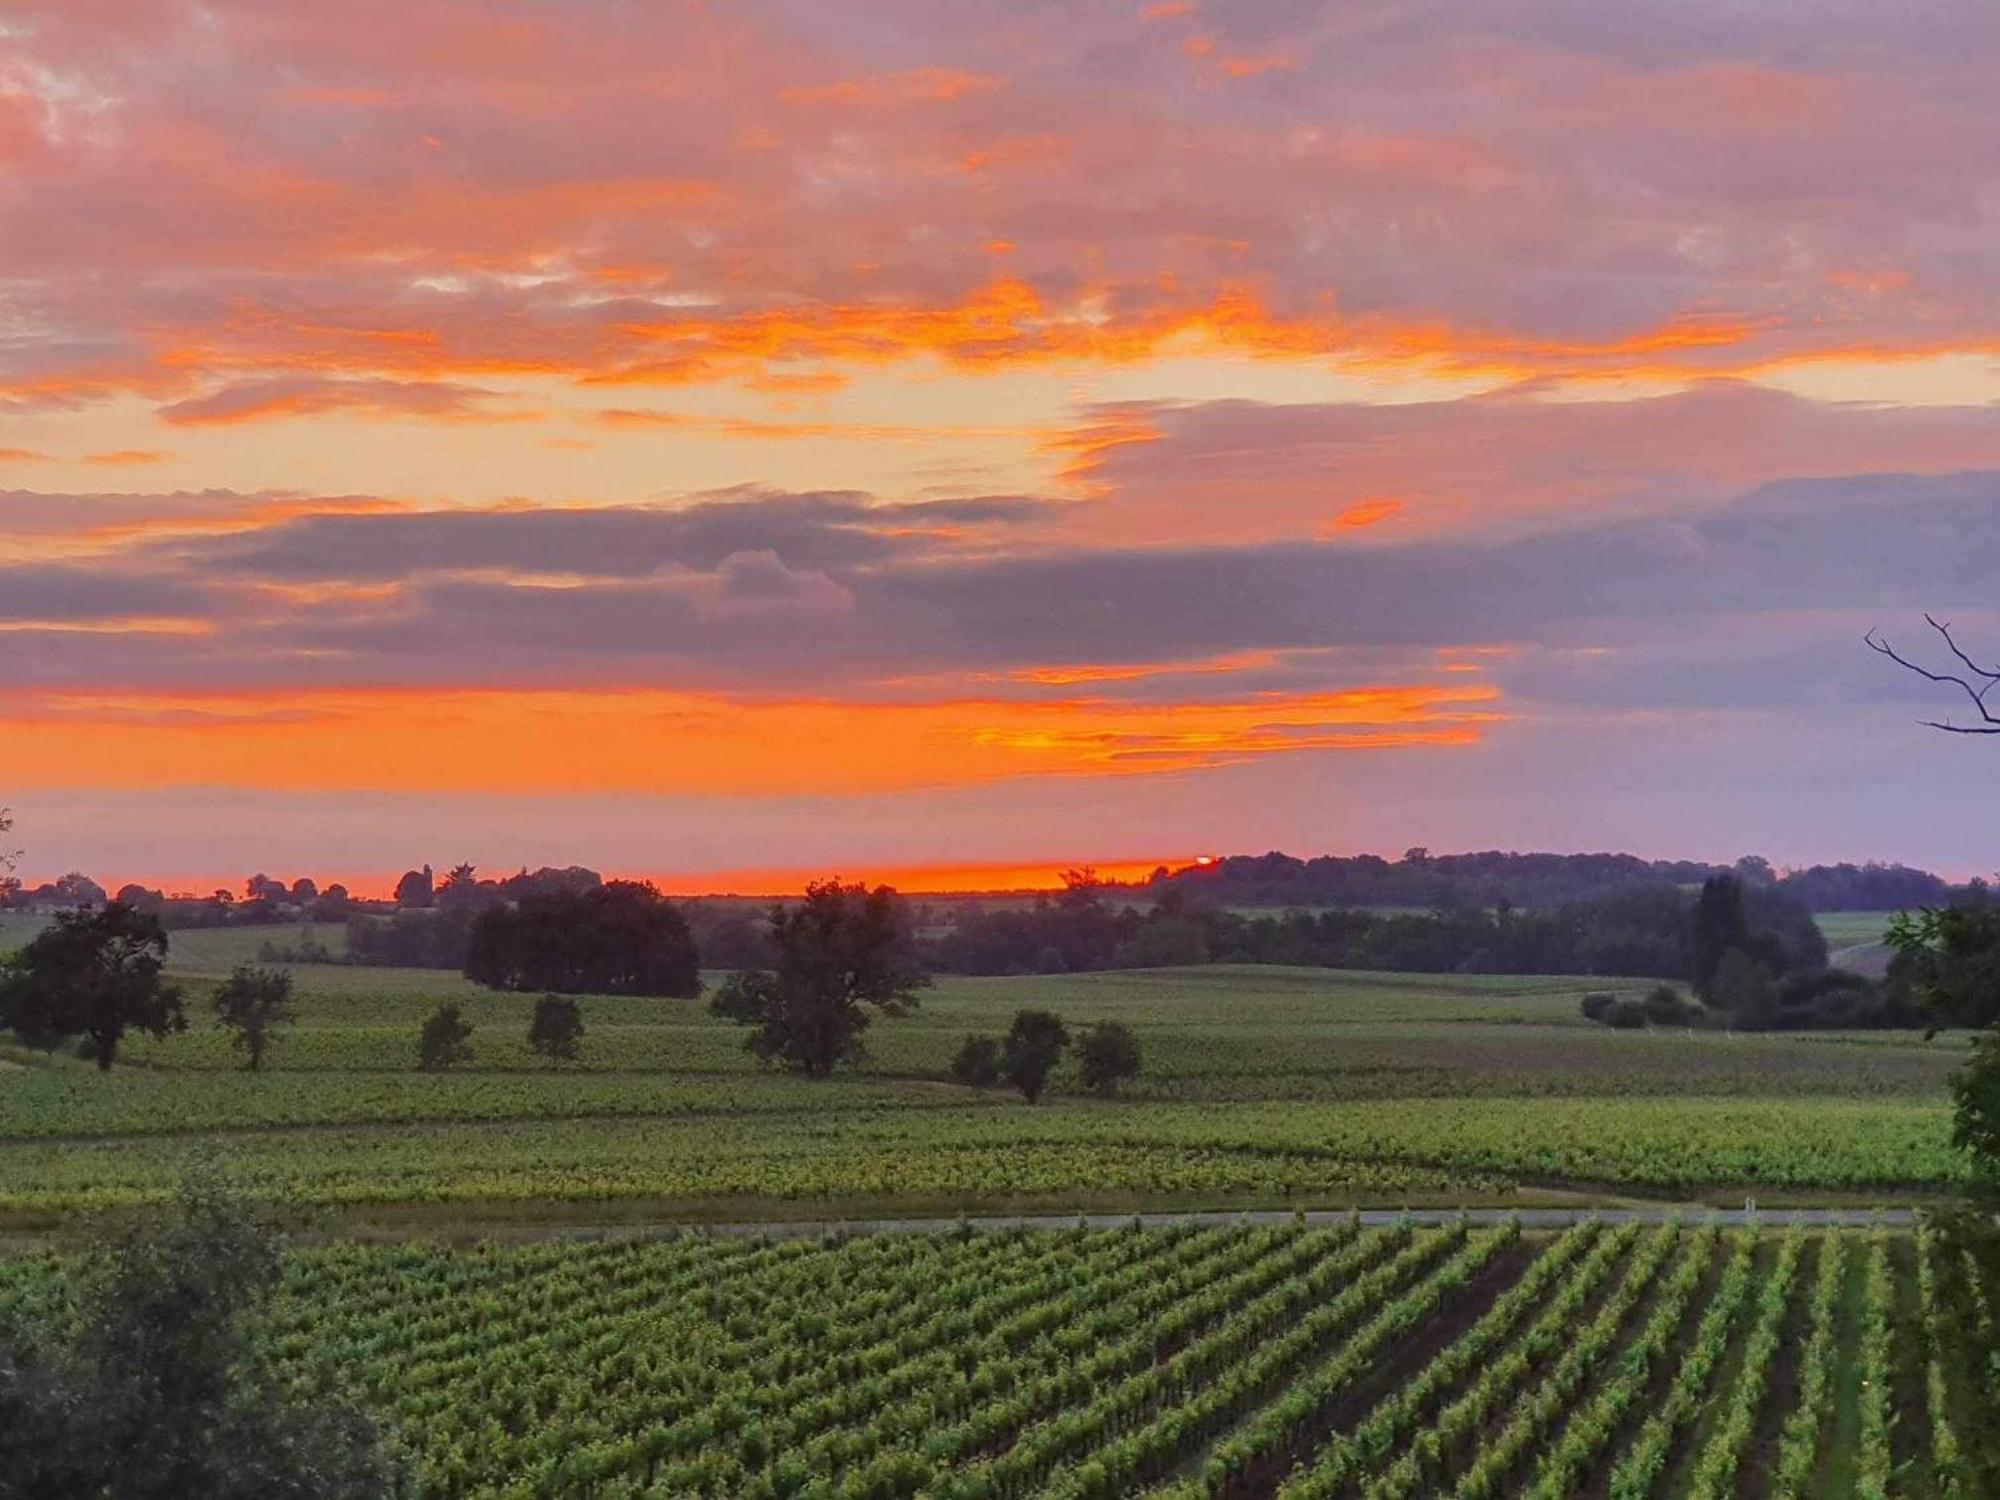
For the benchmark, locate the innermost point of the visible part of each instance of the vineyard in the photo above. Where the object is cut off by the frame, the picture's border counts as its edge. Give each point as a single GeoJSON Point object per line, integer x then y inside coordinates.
{"type": "Point", "coordinates": [1260, 1086]}
{"type": "Point", "coordinates": [1302, 1363]}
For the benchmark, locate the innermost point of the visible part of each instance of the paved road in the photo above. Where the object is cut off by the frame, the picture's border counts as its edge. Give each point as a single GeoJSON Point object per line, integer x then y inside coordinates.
{"type": "Point", "coordinates": [1532, 1218]}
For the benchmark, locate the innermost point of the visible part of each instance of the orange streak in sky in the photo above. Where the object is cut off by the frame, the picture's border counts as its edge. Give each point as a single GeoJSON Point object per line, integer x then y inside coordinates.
{"type": "Point", "coordinates": [668, 743]}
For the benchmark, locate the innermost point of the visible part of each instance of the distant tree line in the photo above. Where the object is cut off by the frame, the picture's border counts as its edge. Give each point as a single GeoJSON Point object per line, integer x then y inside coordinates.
{"type": "Point", "coordinates": [1642, 931]}
{"type": "Point", "coordinates": [1539, 881]}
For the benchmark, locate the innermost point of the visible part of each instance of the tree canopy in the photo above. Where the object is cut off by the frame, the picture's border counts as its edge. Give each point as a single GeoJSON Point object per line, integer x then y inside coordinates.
{"type": "Point", "coordinates": [445, 1041]}
{"type": "Point", "coordinates": [1033, 1046]}
{"type": "Point", "coordinates": [93, 974]}
{"type": "Point", "coordinates": [620, 938]}
{"type": "Point", "coordinates": [556, 1028]}
{"type": "Point", "coordinates": [253, 1004]}
{"type": "Point", "coordinates": [1949, 956]}
{"type": "Point", "coordinates": [843, 956]}
{"type": "Point", "coordinates": [1106, 1055]}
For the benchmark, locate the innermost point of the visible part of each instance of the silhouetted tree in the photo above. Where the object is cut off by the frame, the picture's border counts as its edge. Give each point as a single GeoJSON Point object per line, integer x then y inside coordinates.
{"type": "Point", "coordinates": [445, 1041]}
{"type": "Point", "coordinates": [1719, 927]}
{"type": "Point", "coordinates": [263, 888]}
{"type": "Point", "coordinates": [141, 899]}
{"type": "Point", "coordinates": [556, 1029]}
{"type": "Point", "coordinates": [253, 1004]}
{"type": "Point", "coordinates": [1106, 1055]}
{"type": "Point", "coordinates": [1034, 1046]}
{"type": "Point", "coordinates": [460, 888]}
{"type": "Point", "coordinates": [977, 1062]}
{"type": "Point", "coordinates": [842, 954]}
{"type": "Point", "coordinates": [415, 888]}
{"type": "Point", "coordinates": [95, 975]}
{"type": "Point", "coordinates": [621, 938]}
{"type": "Point", "coordinates": [78, 889]}
{"type": "Point", "coordinates": [154, 1390]}
{"type": "Point", "coordinates": [305, 889]}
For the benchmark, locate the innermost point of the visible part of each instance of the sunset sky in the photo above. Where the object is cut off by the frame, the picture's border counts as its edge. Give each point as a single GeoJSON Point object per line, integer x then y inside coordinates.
{"type": "Point", "coordinates": [821, 435]}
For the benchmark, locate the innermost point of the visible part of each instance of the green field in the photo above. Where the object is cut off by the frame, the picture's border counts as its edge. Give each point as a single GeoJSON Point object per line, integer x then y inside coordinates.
{"type": "Point", "coordinates": [1262, 1086]}
{"type": "Point", "coordinates": [1293, 1362]}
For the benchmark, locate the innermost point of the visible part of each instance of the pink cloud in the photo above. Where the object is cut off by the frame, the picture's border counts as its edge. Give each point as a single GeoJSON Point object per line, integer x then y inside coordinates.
{"type": "Point", "coordinates": [480, 190]}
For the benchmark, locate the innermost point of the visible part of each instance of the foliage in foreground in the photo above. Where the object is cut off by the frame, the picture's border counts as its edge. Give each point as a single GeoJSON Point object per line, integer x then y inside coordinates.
{"type": "Point", "coordinates": [153, 1390]}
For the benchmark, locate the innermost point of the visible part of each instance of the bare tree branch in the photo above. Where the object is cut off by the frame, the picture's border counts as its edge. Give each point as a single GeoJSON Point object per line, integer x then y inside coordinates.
{"type": "Point", "coordinates": [1988, 679]}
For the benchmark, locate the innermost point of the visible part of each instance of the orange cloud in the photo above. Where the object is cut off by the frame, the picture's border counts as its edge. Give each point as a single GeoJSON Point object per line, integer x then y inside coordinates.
{"type": "Point", "coordinates": [765, 430]}
{"type": "Point", "coordinates": [1362, 514]}
{"type": "Point", "coordinates": [1090, 448]}
{"type": "Point", "coordinates": [668, 743]}
{"type": "Point", "coordinates": [911, 86]}
{"type": "Point", "coordinates": [127, 457]}
{"type": "Point", "coordinates": [1071, 675]}
{"type": "Point", "coordinates": [24, 456]}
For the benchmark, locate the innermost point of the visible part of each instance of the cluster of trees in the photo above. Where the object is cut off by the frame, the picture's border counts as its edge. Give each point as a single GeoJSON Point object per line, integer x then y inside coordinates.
{"type": "Point", "coordinates": [1027, 1056]}
{"type": "Point", "coordinates": [623, 938]}
{"type": "Point", "coordinates": [92, 977]}
{"type": "Point", "coordinates": [1494, 878]}
{"type": "Point", "coordinates": [1643, 931]}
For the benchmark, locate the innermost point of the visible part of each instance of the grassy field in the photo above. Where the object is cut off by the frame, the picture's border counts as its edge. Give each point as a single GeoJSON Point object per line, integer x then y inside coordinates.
{"type": "Point", "coordinates": [1291, 1362]}
{"type": "Point", "coordinates": [1262, 1086]}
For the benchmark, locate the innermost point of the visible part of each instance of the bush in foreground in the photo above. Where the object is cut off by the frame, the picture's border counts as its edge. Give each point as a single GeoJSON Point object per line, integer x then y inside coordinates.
{"type": "Point", "coordinates": [155, 1393]}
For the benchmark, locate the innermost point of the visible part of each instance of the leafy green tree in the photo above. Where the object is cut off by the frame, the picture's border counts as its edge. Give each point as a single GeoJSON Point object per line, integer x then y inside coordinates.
{"type": "Point", "coordinates": [556, 1029]}
{"type": "Point", "coordinates": [94, 974]}
{"type": "Point", "coordinates": [155, 1392]}
{"type": "Point", "coordinates": [1949, 956]}
{"type": "Point", "coordinates": [1976, 1093]}
{"type": "Point", "coordinates": [977, 1062]}
{"type": "Point", "coordinates": [843, 955]}
{"type": "Point", "coordinates": [445, 1041]}
{"type": "Point", "coordinates": [1034, 1045]}
{"type": "Point", "coordinates": [1107, 1054]}
{"type": "Point", "coordinates": [253, 1004]}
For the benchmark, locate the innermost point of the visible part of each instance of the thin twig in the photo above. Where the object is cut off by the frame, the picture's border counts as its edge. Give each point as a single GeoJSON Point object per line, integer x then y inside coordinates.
{"type": "Point", "coordinates": [1989, 722]}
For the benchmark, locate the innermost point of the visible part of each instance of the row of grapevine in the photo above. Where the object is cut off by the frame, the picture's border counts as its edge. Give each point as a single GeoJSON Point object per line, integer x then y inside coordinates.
{"type": "Point", "coordinates": [1278, 1362]}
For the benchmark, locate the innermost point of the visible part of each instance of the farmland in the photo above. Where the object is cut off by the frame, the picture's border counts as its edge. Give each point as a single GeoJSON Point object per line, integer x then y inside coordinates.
{"type": "Point", "coordinates": [1261, 1086]}
{"type": "Point", "coordinates": [1298, 1362]}
{"type": "Point", "coordinates": [505, 1263]}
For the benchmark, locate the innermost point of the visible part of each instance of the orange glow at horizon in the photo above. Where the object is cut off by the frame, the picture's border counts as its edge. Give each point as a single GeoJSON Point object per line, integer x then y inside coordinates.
{"type": "Point", "coordinates": [916, 880]}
